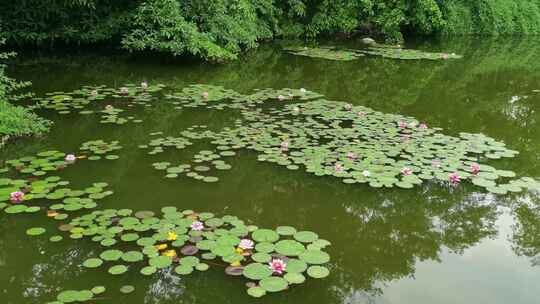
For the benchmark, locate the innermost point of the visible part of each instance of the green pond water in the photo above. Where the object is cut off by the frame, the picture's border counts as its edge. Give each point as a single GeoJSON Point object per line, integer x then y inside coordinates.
{"type": "Point", "coordinates": [429, 244]}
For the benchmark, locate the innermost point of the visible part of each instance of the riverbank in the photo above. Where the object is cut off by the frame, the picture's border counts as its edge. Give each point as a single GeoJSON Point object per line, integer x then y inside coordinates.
{"type": "Point", "coordinates": [16, 120]}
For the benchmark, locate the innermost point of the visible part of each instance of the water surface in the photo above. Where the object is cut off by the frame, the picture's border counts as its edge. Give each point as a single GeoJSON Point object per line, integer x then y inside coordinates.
{"type": "Point", "coordinates": [428, 245]}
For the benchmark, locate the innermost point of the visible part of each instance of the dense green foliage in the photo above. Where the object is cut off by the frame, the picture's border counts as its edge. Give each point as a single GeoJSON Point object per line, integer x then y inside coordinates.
{"type": "Point", "coordinates": [16, 120]}
{"type": "Point", "coordinates": [220, 29]}
{"type": "Point", "coordinates": [492, 17]}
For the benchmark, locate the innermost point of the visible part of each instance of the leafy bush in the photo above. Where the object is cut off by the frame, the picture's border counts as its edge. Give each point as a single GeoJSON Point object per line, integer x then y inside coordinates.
{"type": "Point", "coordinates": [492, 17]}
{"type": "Point", "coordinates": [213, 30]}
{"type": "Point", "coordinates": [16, 120]}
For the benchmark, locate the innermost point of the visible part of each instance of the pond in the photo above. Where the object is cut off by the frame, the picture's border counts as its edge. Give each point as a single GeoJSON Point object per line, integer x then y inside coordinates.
{"type": "Point", "coordinates": [433, 243]}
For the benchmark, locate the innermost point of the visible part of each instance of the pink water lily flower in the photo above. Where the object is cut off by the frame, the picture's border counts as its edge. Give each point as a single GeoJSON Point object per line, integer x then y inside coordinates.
{"type": "Point", "coordinates": [277, 266]}
{"type": "Point", "coordinates": [423, 126]}
{"type": "Point", "coordinates": [454, 178]}
{"type": "Point", "coordinates": [475, 168]}
{"type": "Point", "coordinates": [197, 226]}
{"type": "Point", "coordinates": [338, 167]}
{"type": "Point", "coordinates": [402, 125]}
{"type": "Point", "coordinates": [281, 97]}
{"type": "Point", "coordinates": [445, 56]}
{"type": "Point", "coordinates": [351, 156]}
{"type": "Point", "coordinates": [205, 95]}
{"type": "Point", "coordinates": [285, 146]}
{"type": "Point", "coordinates": [144, 85]}
{"type": "Point", "coordinates": [16, 197]}
{"type": "Point", "coordinates": [347, 106]}
{"type": "Point", "coordinates": [406, 171]}
{"type": "Point", "coordinates": [124, 91]}
{"type": "Point", "coordinates": [362, 113]}
{"type": "Point", "coordinates": [246, 244]}
{"type": "Point", "coordinates": [70, 158]}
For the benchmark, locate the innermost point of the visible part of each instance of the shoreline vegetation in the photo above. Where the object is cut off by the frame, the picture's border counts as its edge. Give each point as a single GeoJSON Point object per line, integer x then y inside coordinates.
{"type": "Point", "coordinates": [219, 30]}
{"type": "Point", "coordinates": [16, 121]}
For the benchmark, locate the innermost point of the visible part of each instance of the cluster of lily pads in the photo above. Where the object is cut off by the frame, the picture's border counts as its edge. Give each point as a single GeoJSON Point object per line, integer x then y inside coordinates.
{"type": "Point", "coordinates": [202, 162]}
{"type": "Point", "coordinates": [98, 148]}
{"type": "Point", "coordinates": [16, 194]}
{"type": "Point", "coordinates": [186, 241]}
{"type": "Point", "coordinates": [300, 129]}
{"type": "Point", "coordinates": [112, 115]}
{"type": "Point", "coordinates": [78, 100]}
{"type": "Point", "coordinates": [41, 163]}
{"type": "Point", "coordinates": [408, 54]}
{"type": "Point", "coordinates": [293, 128]}
{"type": "Point", "coordinates": [85, 295]}
{"type": "Point", "coordinates": [329, 53]}
{"type": "Point", "coordinates": [37, 185]}
{"type": "Point", "coordinates": [271, 260]}
{"type": "Point", "coordinates": [393, 52]}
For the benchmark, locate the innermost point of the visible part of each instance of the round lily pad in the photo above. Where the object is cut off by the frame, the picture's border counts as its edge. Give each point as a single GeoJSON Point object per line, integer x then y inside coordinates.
{"type": "Point", "coordinates": [118, 269]}
{"type": "Point", "coordinates": [261, 257]}
{"type": "Point", "coordinates": [296, 266]}
{"type": "Point", "coordinates": [160, 262]}
{"type": "Point", "coordinates": [71, 296]}
{"type": "Point", "coordinates": [56, 238]}
{"type": "Point", "coordinates": [148, 270]}
{"type": "Point", "coordinates": [184, 269]}
{"type": "Point", "coordinates": [257, 271]}
{"type": "Point", "coordinates": [265, 235]}
{"type": "Point", "coordinates": [289, 248]}
{"type": "Point", "coordinates": [98, 290]}
{"type": "Point", "coordinates": [315, 257]}
{"type": "Point", "coordinates": [93, 263]}
{"type": "Point", "coordinates": [318, 272]}
{"type": "Point", "coordinates": [286, 230]}
{"type": "Point", "coordinates": [306, 236]}
{"type": "Point", "coordinates": [35, 231]}
{"type": "Point", "coordinates": [256, 292]}
{"type": "Point", "coordinates": [294, 278]}
{"type": "Point", "coordinates": [111, 255]}
{"type": "Point", "coordinates": [15, 209]}
{"type": "Point", "coordinates": [273, 284]}
{"type": "Point", "coordinates": [127, 289]}
{"type": "Point", "coordinates": [202, 267]}
{"type": "Point", "coordinates": [132, 256]}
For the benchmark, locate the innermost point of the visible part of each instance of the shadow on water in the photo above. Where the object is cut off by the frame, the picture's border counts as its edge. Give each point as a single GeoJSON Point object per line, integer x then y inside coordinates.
{"type": "Point", "coordinates": [433, 244]}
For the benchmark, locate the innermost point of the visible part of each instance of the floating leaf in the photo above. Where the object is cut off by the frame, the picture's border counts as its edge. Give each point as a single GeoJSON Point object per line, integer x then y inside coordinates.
{"type": "Point", "coordinates": [92, 263]}
{"type": "Point", "coordinates": [273, 284]}
{"type": "Point", "coordinates": [318, 272]}
{"type": "Point", "coordinates": [35, 231]}
{"type": "Point", "coordinates": [256, 292]}
{"type": "Point", "coordinates": [118, 269]}
{"type": "Point", "coordinates": [257, 271]}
